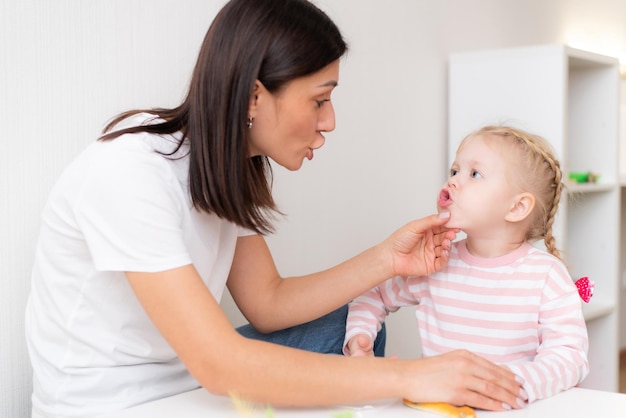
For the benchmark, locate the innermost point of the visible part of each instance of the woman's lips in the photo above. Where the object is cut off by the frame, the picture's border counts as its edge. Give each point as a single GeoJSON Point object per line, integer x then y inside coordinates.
{"type": "Point", "coordinates": [315, 146]}
{"type": "Point", "coordinates": [444, 198]}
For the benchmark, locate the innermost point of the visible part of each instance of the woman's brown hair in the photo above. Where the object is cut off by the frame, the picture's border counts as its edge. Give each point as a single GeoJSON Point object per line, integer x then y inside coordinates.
{"type": "Point", "coordinates": [273, 41]}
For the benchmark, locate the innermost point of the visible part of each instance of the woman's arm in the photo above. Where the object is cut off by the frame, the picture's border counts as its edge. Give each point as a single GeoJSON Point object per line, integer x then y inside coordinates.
{"type": "Point", "coordinates": [191, 320]}
{"type": "Point", "coordinates": [270, 302]}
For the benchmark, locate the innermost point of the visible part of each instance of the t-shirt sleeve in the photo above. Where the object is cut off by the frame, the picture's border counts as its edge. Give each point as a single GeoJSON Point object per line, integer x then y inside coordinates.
{"type": "Point", "coordinates": [131, 210]}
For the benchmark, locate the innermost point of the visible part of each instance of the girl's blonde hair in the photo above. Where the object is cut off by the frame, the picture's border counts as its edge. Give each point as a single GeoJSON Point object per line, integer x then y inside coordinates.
{"type": "Point", "coordinates": [539, 173]}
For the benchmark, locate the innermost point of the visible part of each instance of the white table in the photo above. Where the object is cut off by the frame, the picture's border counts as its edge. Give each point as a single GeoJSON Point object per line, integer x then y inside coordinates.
{"type": "Point", "coordinates": [574, 403]}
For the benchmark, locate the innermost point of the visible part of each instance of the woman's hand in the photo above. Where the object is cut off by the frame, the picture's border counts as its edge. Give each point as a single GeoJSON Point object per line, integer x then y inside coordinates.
{"type": "Point", "coordinates": [462, 378]}
{"type": "Point", "coordinates": [420, 247]}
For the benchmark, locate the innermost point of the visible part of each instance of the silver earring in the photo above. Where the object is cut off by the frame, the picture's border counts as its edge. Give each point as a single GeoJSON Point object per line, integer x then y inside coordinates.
{"type": "Point", "coordinates": [249, 124]}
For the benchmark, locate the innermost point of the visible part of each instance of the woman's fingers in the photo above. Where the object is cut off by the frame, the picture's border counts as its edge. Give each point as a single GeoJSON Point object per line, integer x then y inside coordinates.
{"type": "Point", "coordinates": [463, 378]}
{"type": "Point", "coordinates": [421, 246]}
{"type": "Point", "coordinates": [490, 386]}
{"type": "Point", "coordinates": [489, 395]}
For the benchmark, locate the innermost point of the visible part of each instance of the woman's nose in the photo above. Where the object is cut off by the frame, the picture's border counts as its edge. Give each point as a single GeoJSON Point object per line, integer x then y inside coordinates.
{"type": "Point", "coordinates": [326, 120]}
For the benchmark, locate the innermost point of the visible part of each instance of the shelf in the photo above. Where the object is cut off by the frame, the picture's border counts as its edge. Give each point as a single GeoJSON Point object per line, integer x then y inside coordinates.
{"type": "Point", "coordinates": [597, 310]}
{"type": "Point", "coordinates": [585, 59]}
{"type": "Point", "coordinates": [590, 187]}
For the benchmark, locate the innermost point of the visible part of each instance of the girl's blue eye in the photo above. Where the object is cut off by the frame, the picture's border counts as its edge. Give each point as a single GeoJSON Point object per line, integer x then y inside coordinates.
{"type": "Point", "coordinates": [453, 172]}
{"type": "Point", "coordinates": [475, 174]}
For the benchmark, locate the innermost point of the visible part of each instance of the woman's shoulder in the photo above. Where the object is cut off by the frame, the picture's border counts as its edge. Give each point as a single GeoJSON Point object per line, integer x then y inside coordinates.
{"type": "Point", "coordinates": [132, 164]}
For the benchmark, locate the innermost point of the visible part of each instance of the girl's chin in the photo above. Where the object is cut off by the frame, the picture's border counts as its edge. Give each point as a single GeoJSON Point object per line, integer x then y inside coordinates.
{"type": "Point", "coordinates": [441, 209]}
{"type": "Point", "coordinates": [452, 222]}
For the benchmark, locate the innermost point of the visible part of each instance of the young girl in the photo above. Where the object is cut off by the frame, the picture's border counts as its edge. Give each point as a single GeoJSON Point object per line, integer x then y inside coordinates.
{"type": "Point", "coordinates": [499, 296]}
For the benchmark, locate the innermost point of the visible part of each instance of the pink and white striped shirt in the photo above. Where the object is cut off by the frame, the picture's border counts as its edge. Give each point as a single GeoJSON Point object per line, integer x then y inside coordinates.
{"type": "Point", "coordinates": [521, 310]}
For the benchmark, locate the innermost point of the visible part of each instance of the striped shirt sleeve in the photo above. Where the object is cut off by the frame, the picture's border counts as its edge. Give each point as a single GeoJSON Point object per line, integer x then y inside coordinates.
{"type": "Point", "coordinates": [561, 360]}
{"type": "Point", "coordinates": [367, 312]}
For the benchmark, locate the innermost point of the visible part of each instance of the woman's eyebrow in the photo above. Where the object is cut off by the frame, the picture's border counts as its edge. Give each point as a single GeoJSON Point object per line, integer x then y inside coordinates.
{"type": "Point", "coordinates": [331, 83]}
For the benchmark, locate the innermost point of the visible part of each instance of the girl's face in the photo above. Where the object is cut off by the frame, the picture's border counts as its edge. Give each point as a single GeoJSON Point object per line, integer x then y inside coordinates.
{"type": "Point", "coordinates": [478, 194]}
{"type": "Point", "coordinates": [289, 125]}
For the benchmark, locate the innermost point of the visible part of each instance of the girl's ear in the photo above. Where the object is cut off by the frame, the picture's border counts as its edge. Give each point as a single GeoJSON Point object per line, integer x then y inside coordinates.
{"type": "Point", "coordinates": [523, 205]}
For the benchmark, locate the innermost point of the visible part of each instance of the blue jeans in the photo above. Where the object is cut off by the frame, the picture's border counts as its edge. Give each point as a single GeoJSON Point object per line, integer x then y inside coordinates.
{"type": "Point", "coordinates": [323, 335]}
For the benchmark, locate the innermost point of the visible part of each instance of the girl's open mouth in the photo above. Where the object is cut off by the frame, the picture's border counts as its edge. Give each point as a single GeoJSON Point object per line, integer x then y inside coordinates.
{"type": "Point", "coordinates": [444, 198]}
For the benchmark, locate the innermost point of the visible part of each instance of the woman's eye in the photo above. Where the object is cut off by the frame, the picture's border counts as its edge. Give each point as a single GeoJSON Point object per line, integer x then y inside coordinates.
{"type": "Point", "coordinates": [320, 103]}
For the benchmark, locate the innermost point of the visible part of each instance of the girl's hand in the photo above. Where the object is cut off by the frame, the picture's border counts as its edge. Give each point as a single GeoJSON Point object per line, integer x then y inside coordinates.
{"type": "Point", "coordinates": [360, 345]}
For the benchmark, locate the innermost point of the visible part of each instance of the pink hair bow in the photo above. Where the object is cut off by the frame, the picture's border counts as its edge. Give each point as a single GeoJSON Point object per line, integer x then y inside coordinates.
{"type": "Point", "coordinates": [585, 288]}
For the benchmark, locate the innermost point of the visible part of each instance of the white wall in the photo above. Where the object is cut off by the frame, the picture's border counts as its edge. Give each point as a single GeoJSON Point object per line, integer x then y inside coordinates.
{"type": "Point", "coordinates": [66, 66]}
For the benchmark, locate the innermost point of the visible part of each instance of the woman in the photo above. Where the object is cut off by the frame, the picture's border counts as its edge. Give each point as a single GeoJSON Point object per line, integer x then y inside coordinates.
{"type": "Point", "coordinates": [144, 229]}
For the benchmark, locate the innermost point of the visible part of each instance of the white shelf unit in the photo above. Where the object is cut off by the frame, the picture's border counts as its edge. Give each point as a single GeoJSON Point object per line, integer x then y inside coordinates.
{"type": "Point", "coordinates": [571, 98]}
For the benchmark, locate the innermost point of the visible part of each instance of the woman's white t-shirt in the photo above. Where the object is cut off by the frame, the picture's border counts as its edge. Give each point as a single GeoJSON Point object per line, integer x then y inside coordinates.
{"type": "Point", "coordinates": [120, 206]}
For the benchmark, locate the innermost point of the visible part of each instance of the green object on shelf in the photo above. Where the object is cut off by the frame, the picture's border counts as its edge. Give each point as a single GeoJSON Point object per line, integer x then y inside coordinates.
{"type": "Point", "coordinates": [583, 176]}
{"type": "Point", "coordinates": [579, 177]}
